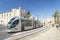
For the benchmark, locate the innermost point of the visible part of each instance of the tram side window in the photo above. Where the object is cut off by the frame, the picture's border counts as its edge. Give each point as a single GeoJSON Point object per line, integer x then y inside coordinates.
{"type": "Point", "coordinates": [15, 22]}
{"type": "Point", "coordinates": [28, 23]}
{"type": "Point", "coordinates": [36, 23]}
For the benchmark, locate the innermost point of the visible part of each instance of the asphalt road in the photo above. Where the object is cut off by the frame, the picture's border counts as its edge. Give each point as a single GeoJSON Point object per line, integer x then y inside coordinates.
{"type": "Point", "coordinates": [3, 33]}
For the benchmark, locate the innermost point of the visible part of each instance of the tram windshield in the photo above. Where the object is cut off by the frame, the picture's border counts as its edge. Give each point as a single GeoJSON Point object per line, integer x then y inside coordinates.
{"type": "Point", "coordinates": [11, 21]}
{"type": "Point", "coordinates": [13, 24]}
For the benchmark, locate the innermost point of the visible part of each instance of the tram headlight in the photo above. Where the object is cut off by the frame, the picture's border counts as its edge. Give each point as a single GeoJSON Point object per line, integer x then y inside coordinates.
{"type": "Point", "coordinates": [8, 30]}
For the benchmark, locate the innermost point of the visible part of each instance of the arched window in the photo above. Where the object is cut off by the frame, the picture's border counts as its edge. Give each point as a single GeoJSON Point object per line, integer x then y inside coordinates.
{"type": "Point", "coordinates": [7, 14]}
{"type": "Point", "coordinates": [1, 21]}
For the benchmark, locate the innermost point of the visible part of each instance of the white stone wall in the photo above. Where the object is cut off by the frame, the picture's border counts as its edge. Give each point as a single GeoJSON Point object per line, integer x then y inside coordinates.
{"type": "Point", "coordinates": [5, 17]}
{"type": "Point", "coordinates": [49, 21]}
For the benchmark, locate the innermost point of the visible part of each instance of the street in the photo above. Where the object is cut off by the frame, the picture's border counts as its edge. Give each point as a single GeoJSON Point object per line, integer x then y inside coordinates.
{"type": "Point", "coordinates": [3, 33]}
{"type": "Point", "coordinates": [52, 34]}
{"type": "Point", "coordinates": [26, 35]}
{"type": "Point", "coordinates": [43, 33]}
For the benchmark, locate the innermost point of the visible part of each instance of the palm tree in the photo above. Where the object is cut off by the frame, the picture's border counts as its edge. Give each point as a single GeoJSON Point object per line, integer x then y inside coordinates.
{"type": "Point", "coordinates": [56, 17]}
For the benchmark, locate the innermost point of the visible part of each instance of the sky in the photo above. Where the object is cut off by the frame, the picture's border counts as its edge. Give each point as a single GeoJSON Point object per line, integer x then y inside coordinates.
{"type": "Point", "coordinates": [38, 8]}
{"type": "Point", "coordinates": [41, 8]}
{"type": "Point", "coordinates": [7, 5]}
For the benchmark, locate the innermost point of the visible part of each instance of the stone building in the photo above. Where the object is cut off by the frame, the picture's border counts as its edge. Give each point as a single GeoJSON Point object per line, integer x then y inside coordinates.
{"type": "Point", "coordinates": [5, 17]}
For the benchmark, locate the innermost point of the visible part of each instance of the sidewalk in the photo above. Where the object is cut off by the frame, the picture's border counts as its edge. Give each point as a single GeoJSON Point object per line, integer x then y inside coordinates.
{"type": "Point", "coordinates": [52, 34]}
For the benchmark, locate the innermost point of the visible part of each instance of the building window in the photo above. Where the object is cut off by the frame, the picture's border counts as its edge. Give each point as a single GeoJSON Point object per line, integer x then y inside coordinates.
{"type": "Point", "coordinates": [2, 15]}
{"type": "Point", "coordinates": [7, 20]}
{"type": "Point", "coordinates": [7, 14]}
{"type": "Point", "coordinates": [1, 21]}
{"type": "Point", "coordinates": [10, 14]}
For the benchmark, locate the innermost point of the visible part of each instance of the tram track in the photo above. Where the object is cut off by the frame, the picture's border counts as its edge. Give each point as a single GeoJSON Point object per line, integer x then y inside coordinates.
{"type": "Point", "coordinates": [31, 34]}
{"type": "Point", "coordinates": [26, 33]}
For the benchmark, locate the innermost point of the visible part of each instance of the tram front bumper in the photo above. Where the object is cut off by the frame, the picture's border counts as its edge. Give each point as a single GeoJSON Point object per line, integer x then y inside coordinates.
{"type": "Point", "coordinates": [9, 30]}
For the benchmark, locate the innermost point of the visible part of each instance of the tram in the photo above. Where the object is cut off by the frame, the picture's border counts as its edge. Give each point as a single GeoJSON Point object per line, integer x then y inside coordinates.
{"type": "Point", "coordinates": [21, 24]}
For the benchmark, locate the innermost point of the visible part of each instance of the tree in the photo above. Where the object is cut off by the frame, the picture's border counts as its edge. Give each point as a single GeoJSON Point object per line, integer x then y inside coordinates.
{"type": "Point", "coordinates": [56, 17]}
{"type": "Point", "coordinates": [28, 14]}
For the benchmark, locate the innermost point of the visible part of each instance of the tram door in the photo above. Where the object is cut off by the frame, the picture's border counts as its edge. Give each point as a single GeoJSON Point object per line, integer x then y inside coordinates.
{"type": "Point", "coordinates": [28, 24]}
{"type": "Point", "coordinates": [34, 24]}
{"type": "Point", "coordinates": [22, 25]}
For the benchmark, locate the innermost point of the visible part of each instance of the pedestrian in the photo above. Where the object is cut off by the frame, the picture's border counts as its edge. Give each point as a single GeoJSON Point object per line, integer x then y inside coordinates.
{"type": "Point", "coordinates": [52, 25]}
{"type": "Point", "coordinates": [56, 26]}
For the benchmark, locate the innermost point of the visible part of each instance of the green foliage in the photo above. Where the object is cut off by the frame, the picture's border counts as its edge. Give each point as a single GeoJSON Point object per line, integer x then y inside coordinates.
{"type": "Point", "coordinates": [56, 16]}
{"type": "Point", "coordinates": [28, 14]}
